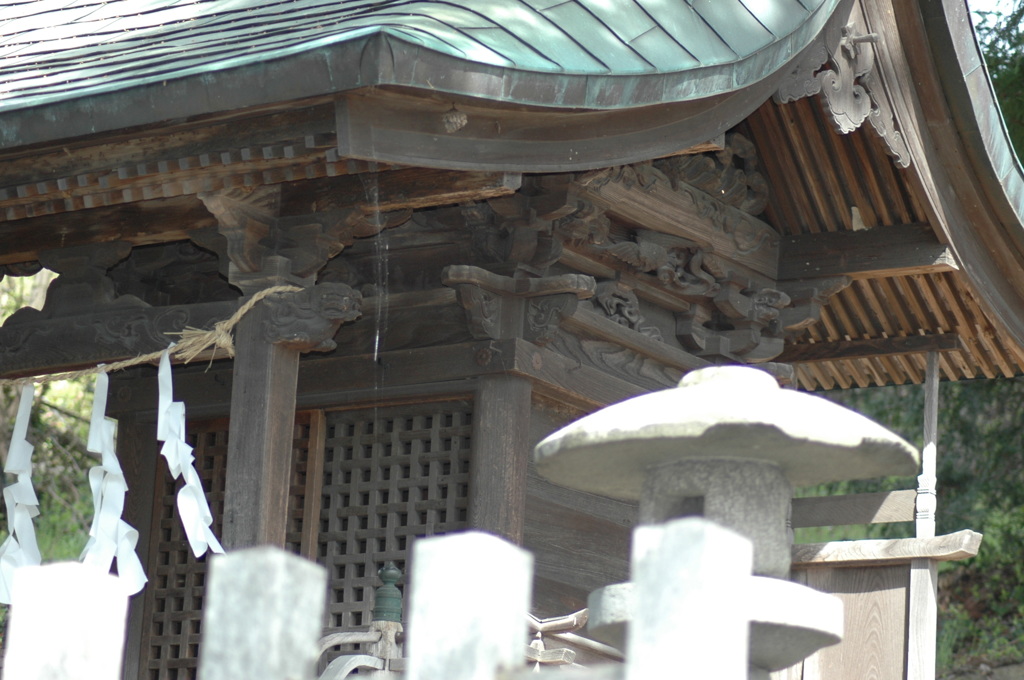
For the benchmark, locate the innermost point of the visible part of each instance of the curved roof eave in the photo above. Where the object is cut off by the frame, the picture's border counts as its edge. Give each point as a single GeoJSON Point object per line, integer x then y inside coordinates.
{"type": "Point", "coordinates": [984, 198]}
{"type": "Point", "coordinates": [39, 105]}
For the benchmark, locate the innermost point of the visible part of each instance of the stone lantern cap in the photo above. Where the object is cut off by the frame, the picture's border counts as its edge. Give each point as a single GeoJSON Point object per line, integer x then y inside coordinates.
{"type": "Point", "coordinates": [721, 413]}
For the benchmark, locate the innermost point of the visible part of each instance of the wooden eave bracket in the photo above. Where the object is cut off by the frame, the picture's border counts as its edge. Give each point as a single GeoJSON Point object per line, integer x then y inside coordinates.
{"type": "Point", "coordinates": [960, 545]}
{"type": "Point", "coordinates": [880, 252]}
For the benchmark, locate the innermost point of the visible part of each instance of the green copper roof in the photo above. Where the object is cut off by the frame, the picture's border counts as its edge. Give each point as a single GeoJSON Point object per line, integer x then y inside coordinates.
{"type": "Point", "coordinates": [58, 50]}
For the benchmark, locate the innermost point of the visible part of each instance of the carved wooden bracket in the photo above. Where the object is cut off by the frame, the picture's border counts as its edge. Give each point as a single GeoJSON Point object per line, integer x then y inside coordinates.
{"type": "Point", "coordinates": [808, 297]}
{"type": "Point", "coordinates": [500, 307]}
{"type": "Point", "coordinates": [533, 223]}
{"type": "Point", "coordinates": [646, 196]}
{"type": "Point", "coordinates": [263, 248]}
{"type": "Point", "coordinates": [851, 90]}
{"type": "Point", "coordinates": [308, 319]}
{"type": "Point", "coordinates": [620, 304]}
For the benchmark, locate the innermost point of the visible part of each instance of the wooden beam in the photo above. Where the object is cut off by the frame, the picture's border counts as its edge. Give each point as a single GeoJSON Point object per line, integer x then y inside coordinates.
{"type": "Point", "coordinates": [172, 219]}
{"type": "Point", "coordinates": [141, 223]}
{"type": "Point", "coordinates": [860, 508]}
{"type": "Point", "coordinates": [865, 349]}
{"type": "Point", "coordinates": [648, 199]}
{"type": "Point", "coordinates": [956, 546]}
{"type": "Point", "coordinates": [405, 189]}
{"type": "Point", "coordinates": [897, 250]}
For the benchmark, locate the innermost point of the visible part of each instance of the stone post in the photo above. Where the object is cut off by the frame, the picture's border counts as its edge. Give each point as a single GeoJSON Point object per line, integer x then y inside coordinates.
{"type": "Point", "coordinates": [263, 615]}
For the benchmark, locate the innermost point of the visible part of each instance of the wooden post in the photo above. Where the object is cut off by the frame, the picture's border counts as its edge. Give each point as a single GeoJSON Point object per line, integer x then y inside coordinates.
{"type": "Point", "coordinates": [922, 608]}
{"type": "Point", "coordinates": [691, 579]}
{"type": "Point", "coordinates": [262, 427]}
{"type": "Point", "coordinates": [263, 616]}
{"type": "Point", "coordinates": [501, 454]}
{"type": "Point", "coordinates": [470, 595]}
{"type": "Point", "coordinates": [927, 481]}
{"type": "Point", "coordinates": [67, 622]}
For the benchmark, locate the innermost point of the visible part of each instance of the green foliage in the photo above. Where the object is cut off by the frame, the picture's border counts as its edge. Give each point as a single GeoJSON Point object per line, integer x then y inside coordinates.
{"type": "Point", "coordinates": [58, 430]}
{"type": "Point", "coordinates": [1003, 41]}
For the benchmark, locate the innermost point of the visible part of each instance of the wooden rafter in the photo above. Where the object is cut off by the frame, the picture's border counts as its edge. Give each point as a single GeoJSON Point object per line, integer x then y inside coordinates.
{"type": "Point", "coordinates": [864, 349]}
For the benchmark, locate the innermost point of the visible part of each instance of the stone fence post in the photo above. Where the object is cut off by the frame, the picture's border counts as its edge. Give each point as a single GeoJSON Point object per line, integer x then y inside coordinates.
{"type": "Point", "coordinates": [262, 617]}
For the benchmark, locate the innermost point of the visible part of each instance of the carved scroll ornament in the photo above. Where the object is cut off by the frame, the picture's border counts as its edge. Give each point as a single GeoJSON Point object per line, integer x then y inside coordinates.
{"type": "Point", "coordinates": [851, 90]}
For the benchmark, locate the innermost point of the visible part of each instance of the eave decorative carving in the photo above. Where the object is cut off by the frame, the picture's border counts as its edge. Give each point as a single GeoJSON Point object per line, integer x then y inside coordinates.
{"type": "Point", "coordinates": [106, 334]}
{"type": "Point", "coordinates": [500, 307]}
{"type": "Point", "coordinates": [851, 90]}
{"type": "Point", "coordinates": [307, 320]}
{"type": "Point", "coordinates": [262, 248]}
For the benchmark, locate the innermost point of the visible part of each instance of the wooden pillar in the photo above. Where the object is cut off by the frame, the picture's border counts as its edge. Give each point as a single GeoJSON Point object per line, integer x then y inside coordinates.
{"type": "Point", "coordinates": [922, 605]}
{"type": "Point", "coordinates": [501, 454]}
{"type": "Point", "coordinates": [258, 477]}
{"type": "Point", "coordinates": [263, 250]}
{"type": "Point", "coordinates": [138, 454]}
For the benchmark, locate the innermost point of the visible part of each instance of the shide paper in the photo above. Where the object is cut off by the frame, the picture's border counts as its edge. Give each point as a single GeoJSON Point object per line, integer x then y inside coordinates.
{"type": "Point", "coordinates": [20, 548]}
{"type": "Point", "coordinates": [110, 537]}
{"type": "Point", "coordinates": [193, 508]}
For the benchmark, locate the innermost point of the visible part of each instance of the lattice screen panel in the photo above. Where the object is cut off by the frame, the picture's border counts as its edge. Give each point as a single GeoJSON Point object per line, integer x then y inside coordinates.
{"type": "Point", "coordinates": [390, 474]}
{"type": "Point", "coordinates": [177, 579]}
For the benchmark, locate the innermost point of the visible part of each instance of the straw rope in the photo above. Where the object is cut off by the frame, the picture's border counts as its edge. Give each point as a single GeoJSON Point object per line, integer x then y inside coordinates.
{"type": "Point", "coordinates": [193, 342]}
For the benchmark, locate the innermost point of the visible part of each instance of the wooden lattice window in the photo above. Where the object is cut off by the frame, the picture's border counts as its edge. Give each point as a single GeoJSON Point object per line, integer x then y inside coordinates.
{"type": "Point", "coordinates": [174, 595]}
{"type": "Point", "coordinates": [390, 474]}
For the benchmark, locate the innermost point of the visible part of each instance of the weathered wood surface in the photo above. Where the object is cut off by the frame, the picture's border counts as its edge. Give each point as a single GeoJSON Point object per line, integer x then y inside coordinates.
{"type": "Point", "coordinates": [100, 335]}
{"type": "Point", "coordinates": [402, 189]}
{"type": "Point", "coordinates": [874, 637]}
{"type": "Point", "coordinates": [585, 322]}
{"type": "Point", "coordinates": [143, 223]}
{"type": "Point", "coordinates": [575, 552]}
{"type": "Point", "coordinates": [314, 485]}
{"type": "Point", "coordinates": [863, 508]}
{"type": "Point", "coordinates": [260, 446]}
{"type": "Point", "coordinates": [650, 201]}
{"type": "Point", "coordinates": [865, 349]}
{"type": "Point", "coordinates": [922, 619]}
{"type": "Point", "coordinates": [160, 217]}
{"type": "Point", "coordinates": [139, 457]}
{"type": "Point", "coordinates": [501, 454]}
{"type": "Point", "coordinates": [883, 251]}
{"type": "Point", "coordinates": [956, 546]}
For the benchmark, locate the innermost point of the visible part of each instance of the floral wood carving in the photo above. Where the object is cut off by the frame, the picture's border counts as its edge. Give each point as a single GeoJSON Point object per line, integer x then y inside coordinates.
{"type": "Point", "coordinates": [308, 319]}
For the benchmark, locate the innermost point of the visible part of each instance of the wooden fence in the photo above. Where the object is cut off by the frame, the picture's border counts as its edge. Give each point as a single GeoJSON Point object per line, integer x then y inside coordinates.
{"type": "Point", "coordinates": [469, 596]}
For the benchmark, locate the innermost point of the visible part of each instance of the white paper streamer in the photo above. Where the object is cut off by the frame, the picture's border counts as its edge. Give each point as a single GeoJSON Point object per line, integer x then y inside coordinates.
{"type": "Point", "coordinates": [20, 548]}
{"type": "Point", "coordinates": [193, 507]}
{"type": "Point", "coordinates": [110, 537]}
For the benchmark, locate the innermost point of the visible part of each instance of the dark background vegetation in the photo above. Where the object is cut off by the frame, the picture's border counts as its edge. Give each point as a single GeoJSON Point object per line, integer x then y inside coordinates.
{"type": "Point", "coordinates": [981, 450]}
